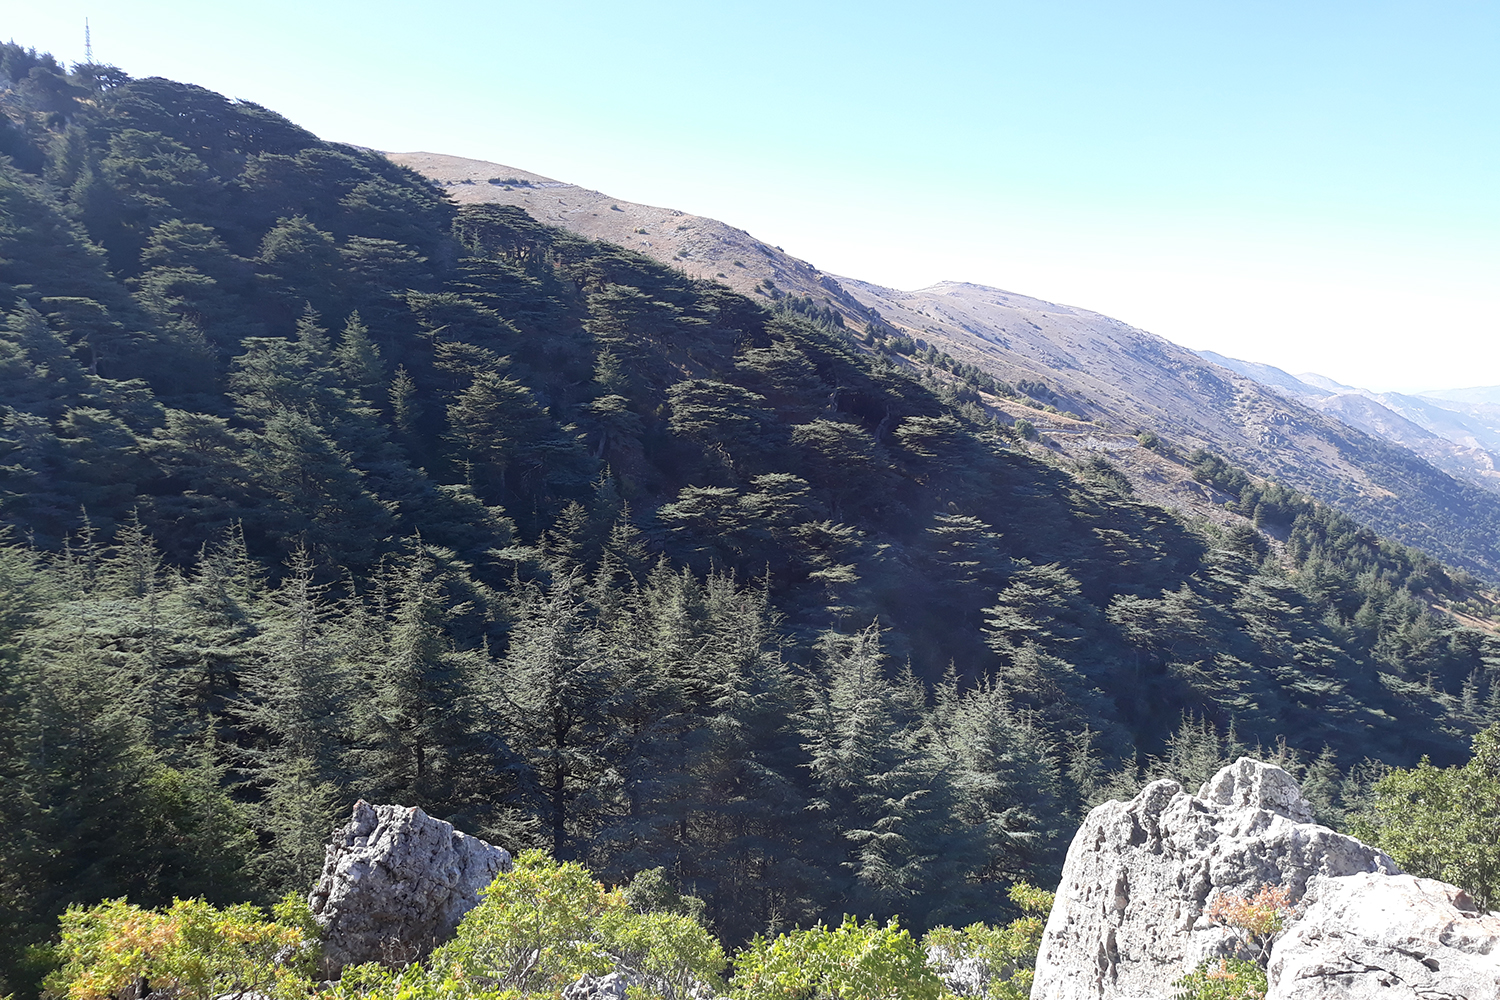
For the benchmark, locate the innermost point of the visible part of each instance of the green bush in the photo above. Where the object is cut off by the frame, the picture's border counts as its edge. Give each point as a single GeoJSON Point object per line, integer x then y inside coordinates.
{"type": "Point", "coordinates": [1443, 823]}
{"type": "Point", "coordinates": [1007, 953]}
{"type": "Point", "coordinates": [1223, 979]}
{"type": "Point", "coordinates": [871, 961]}
{"type": "Point", "coordinates": [537, 929]}
{"type": "Point", "coordinates": [190, 950]}
{"type": "Point", "coordinates": [546, 923]}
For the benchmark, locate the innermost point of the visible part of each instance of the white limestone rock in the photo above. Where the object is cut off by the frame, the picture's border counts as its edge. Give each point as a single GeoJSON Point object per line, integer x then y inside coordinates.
{"type": "Point", "coordinates": [613, 986]}
{"type": "Point", "coordinates": [395, 884]}
{"type": "Point", "coordinates": [1396, 937]}
{"type": "Point", "coordinates": [1130, 913]}
{"type": "Point", "coordinates": [963, 977]}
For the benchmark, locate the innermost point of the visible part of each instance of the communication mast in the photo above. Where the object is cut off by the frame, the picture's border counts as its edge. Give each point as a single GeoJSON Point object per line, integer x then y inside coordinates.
{"type": "Point", "coordinates": [88, 44]}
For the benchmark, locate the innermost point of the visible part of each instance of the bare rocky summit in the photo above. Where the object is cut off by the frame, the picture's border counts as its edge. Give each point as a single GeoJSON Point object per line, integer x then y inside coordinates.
{"type": "Point", "coordinates": [1396, 937]}
{"type": "Point", "coordinates": [1140, 876]}
{"type": "Point", "coordinates": [1132, 914]}
{"type": "Point", "coordinates": [395, 884]}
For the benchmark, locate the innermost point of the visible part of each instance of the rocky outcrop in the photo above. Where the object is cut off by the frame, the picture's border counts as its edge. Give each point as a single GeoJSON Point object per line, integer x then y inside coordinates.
{"type": "Point", "coordinates": [395, 884]}
{"type": "Point", "coordinates": [1396, 937]}
{"type": "Point", "coordinates": [1130, 916]}
{"type": "Point", "coordinates": [607, 987]}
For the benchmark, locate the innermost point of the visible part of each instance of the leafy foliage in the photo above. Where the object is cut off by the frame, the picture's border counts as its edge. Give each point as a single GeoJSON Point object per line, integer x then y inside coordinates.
{"type": "Point", "coordinates": [1224, 979]}
{"type": "Point", "coordinates": [854, 959]}
{"type": "Point", "coordinates": [544, 924]}
{"type": "Point", "coordinates": [1005, 957]}
{"type": "Point", "coordinates": [190, 949]}
{"type": "Point", "coordinates": [1444, 823]}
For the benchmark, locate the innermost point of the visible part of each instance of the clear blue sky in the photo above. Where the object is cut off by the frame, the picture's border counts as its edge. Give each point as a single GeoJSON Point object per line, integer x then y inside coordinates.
{"type": "Point", "coordinates": [1313, 185]}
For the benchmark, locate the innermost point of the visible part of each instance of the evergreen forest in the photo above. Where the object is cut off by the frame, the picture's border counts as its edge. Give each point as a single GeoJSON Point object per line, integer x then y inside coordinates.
{"type": "Point", "coordinates": [316, 487]}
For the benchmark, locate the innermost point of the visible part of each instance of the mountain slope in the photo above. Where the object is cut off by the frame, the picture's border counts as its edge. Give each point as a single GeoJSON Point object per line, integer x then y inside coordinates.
{"type": "Point", "coordinates": [1268, 375]}
{"type": "Point", "coordinates": [1459, 438]}
{"type": "Point", "coordinates": [1122, 378]}
{"type": "Point", "coordinates": [1432, 430]}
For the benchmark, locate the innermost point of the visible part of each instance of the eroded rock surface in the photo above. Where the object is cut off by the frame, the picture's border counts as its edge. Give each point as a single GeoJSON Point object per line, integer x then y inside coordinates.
{"type": "Point", "coordinates": [613, 986]}
{"type": "Point", "coordinates": [395, 884]}
{"type": "Point", "coordinates": [1397, 937]}
{"type": "Point", "coordinates": [1140, 875]}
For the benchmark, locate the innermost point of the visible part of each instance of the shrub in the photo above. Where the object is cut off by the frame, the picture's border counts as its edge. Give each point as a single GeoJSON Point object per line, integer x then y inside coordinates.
{"type": "Point", "coordinates": [1258, 919]}
{"type": "Point", "coordinates": [545, 923]}
{"type": "Point", "coordinates": [871, 961]}
{"type": "Point", "coordinates": [1006, 954]}
{"type": "Point", "coordinates": [1443, 823]}
{"type": "Point", "coordinates": [1223, 979]}
{"type": "Point", "coordinates": [191, 950]}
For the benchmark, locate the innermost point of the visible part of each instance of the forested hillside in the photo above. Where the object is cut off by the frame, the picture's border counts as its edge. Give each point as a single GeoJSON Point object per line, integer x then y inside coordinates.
{"type": "Point", "coordinates": [319, 487]}
{"type": "Point", "coordinates": [1051, 357]}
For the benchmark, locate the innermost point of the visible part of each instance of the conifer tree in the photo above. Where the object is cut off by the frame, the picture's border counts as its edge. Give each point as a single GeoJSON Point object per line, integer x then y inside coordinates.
{"type": "Point", "coordinates": [1007, 791]}
{"type": "Point", "coordinates": [358, 361]}
{"type": "Point", "coordinates": [412, 724]}
{"type": "Point", "coordinates": [752, 812]}
{"type": "Point", "coordinates": [886, 803]}
{"type": "Point", "coordinates": [551, 693]}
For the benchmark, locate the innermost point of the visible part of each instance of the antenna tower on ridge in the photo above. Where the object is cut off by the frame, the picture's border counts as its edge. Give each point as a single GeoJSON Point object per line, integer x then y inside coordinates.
{"type": "Point", "coordinates": [88, 44]}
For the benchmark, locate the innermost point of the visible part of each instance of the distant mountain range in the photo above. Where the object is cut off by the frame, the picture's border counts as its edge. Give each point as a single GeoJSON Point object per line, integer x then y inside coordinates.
{"type": "Point", "coordinates": [1457, 430]}
{"type": "Point", "coordinates": [1421, 469]}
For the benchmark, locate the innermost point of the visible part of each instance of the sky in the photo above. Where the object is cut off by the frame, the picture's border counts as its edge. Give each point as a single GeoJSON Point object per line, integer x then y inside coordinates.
{"type": "Point", "coordinates": [1313, 185]}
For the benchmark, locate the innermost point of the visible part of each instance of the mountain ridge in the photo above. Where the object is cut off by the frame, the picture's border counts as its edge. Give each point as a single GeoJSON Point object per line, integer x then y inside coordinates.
{"type": "Point", "coordinates": [1452, 435]}
{"type": "Point", "coordinates": [1123, 379]}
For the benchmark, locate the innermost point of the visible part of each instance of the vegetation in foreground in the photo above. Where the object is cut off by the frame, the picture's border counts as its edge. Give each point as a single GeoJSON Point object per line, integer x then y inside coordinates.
{"type": "Point", "coordinates": [547, 923]}
{"type": "Point", "coordinates": [538, 929]}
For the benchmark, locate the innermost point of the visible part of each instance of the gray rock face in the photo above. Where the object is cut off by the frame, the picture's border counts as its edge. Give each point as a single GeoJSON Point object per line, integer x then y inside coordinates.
{"type": "Point", "coordinates": [1249, 784]}
{"type": "Point", "coordinates": [1396, 937]}
{"type": "Point", "coordinates": [964, 977]}
{"type": "Point", "coordinates": [609, 987]}
{"type": "Point", "coordinates": [395, 884]}
{"type": "Point", "coordinates": [1140, 875]}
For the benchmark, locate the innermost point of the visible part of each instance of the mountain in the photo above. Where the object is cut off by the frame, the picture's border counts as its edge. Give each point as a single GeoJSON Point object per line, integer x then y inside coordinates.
{"type": "Point", "coordinates": [1269, 375]}
{"type": "Point", "coordinates": [1430, 429]}
{"type": "Point", "coordinates": [1460, 438]}
{"type": "Point", "coordinates": [1472, 424]}
{"type": "Point", "coordinates": [1323, 382]}
{"type": "Point", "coordinates": [317, 484]}
{"type": "Point", "coordinates": [693, 244]}
{"type": "Point", "coordinates": [1120, 380]}
{"type": "Point", "coordinates": [1489, 394]}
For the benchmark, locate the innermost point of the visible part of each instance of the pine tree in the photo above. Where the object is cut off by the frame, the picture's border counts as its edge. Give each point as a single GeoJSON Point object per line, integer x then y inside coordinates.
{"type": "Point", "coordinates": [1321, 788]}
{"type": "Point", "coordinates": [414, 722]}
{"type": "Point", "coordinates": [216, 615]}
{"type": "Point", "coordinates": [1007, 791]}
{"type": "Point", "coordinates": [751, 813]}
{"type": "Point", "coordinates": [299, 692]}
{"type": "Point", "coordinates": [551, 692]}
{"type": "Point", "coordinates": [886, 802]}
{"type": "Point", "coordinates": [358, 360]}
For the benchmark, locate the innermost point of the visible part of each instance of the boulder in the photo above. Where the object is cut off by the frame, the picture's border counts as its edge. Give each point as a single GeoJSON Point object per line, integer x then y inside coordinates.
{"type": "Point", "coordinates": [1130, 916]}
{"type": "Point", "coordinates": [395, 884]}
{"type": "Point", "coordinates": [1397, 937]}
{"type": "Point", "coordinates": [963, 977]}
{"type": "Point", "coordinates": [607, 987]}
